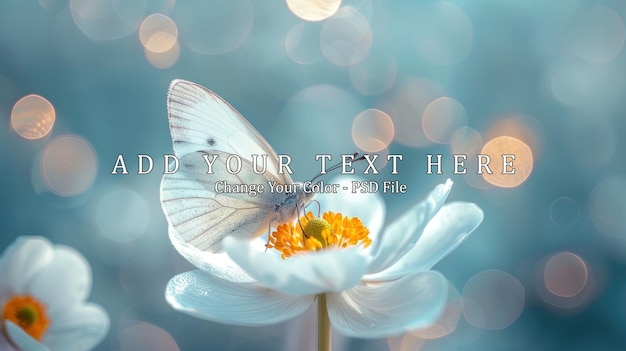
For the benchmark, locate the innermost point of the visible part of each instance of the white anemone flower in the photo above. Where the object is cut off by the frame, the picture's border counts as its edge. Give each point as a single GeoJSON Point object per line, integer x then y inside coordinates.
{"type": "Point", "coordinates": [43, 289]}
{"type": "Point", "coordinates": [366, 287]}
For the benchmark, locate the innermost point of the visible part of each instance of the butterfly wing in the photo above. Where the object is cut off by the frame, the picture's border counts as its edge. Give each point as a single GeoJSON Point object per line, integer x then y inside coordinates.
{"type": "Point", "coordinates": [202, 122]}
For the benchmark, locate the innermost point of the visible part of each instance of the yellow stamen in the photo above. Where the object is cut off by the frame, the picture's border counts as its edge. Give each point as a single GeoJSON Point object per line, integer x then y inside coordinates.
{"type": "Point", "coordinates": [332, 230]}
{"type": "Point", "coordinates": [28, 313]}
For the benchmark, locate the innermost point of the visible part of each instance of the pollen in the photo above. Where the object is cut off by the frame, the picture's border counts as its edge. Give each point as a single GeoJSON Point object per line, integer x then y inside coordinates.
{"type": "Point", "coordinates": [309, 234]}
{"type": "Point", "coordinates": [28, 313]}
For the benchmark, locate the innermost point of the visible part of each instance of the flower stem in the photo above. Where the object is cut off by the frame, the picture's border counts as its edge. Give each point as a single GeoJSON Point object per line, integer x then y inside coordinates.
{"type": "Point", "coordinates": [323, 324]}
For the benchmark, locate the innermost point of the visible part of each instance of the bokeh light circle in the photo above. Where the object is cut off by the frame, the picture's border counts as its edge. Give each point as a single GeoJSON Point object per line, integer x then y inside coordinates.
{"type": "Point", "coordinates": [68, 165]}
{"type": "Point", "coordinates": [372, 130]}
{"type": "Point", "coordinates": [441, 118]}
{"type": "Point", "coordinates": [346, 38]}
{"type": "Point", "coordinates": [523, 162]}
{"type": "Point", "coordinates": [313, 10]}
{"type": "Point", "coordinates": [565, 274]}
{"type": "Point", "coordinates": [32, 117]}
{"type": "Point", "coordinates": [405, 342]}
{"type": "Point", "coordinates": [316, 117]}
{"type": "Point", "coordinates": [405, 103]}
{"type": "Point", "coordinates": [597, 34]}
{"type": "Point", "coordinates": [375, 74]}
{"type": "Point", "coordinates": [122, 215]}
{"type": "Point", "coordinates": [302, 43]}
{"type": "Point", "coordinates": [443, 33]}
{"type": "Point", "coordinates": [607, 207]}
{"type": "Point", "coordinates": [103, 20]}
{"type": "Point", "coordinates": [213, 27]}
{"type": "Point", "coordinates": [564, 211]}
{"type": "Point", "coordinates": [158, 33]}
{"type": "Point", "coordinates": [467, 141]}
{"type": "Point", "coordinates": [518, 125]}
{"type": "Point", "coordinates": [588, 86]}
{"type": "Point", "coordinates": [146, 337]}
{"type": "Point", "coordinates": [492, 299]}
{"type": "Point", "coordinates": [163, 60]}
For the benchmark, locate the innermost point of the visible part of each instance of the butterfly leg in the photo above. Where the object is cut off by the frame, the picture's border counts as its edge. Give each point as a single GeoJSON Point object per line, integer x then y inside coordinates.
{"type": "Point", "coordinates": [319, 207]}
{"type": "Point", "coordinates": [269, 232]}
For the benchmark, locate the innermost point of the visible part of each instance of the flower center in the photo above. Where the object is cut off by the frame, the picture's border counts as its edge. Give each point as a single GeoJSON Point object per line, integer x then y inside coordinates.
{"type": "Point", "coordinates": [312, 234]}
{"type": "Point", "coordinates": [28, 313]}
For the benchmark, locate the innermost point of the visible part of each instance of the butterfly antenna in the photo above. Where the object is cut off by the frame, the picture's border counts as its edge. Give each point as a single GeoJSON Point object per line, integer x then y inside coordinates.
{"type": "Point", "coordinates": [339, 164]}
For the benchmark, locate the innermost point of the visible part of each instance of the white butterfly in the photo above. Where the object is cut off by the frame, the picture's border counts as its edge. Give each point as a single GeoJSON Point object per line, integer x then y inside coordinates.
{"type": "Point", "coordinates": [202, 122]}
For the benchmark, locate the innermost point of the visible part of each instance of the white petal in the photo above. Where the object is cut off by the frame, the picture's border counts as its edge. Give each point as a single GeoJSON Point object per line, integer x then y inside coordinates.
{"type": "Point", "coordinates": [81, 328]}
{"type": "Point", "coordinates": [369, 207]}
{"type": "Point", "coordinates": [322, 271]}
{"type": "Point", "coordinates": [218, 264]}
{"type": "Point", "coordinates": [21, 339]}
{"type": "Point", "coordinates": [390, 308]}
{"type": "Point", "coordinates": [443, 234]}
{"type": "Point", "coordinates": [208, 297]}
{"type": "Point", "coordinates": [401, 235]}
{"type": "Point", "coordinates": [63, 283]}
{"type": "Point", "coordinates": [21, 261]}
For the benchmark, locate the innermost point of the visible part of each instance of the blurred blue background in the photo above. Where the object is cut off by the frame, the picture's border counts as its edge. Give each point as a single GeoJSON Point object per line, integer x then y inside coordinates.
{"type": "Point", "coordinates": [545, 270]}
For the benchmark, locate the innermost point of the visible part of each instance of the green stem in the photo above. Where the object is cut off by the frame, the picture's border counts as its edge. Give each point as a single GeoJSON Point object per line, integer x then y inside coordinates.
{"type": "Point", "coordinates": [323, 324]}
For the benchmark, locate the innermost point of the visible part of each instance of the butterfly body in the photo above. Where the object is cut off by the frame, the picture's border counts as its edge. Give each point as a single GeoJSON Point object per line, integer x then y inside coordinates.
{"type": "Point", "coordinates": [203, 123]}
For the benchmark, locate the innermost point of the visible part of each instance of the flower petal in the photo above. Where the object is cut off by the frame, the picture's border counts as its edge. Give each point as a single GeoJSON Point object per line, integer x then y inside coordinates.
{"type": "Point", "coordinates": [21, 261]}
{"type": "Point", "coordinates": [399, 236]}
{"type": "Point", "coordinates": [217, 264]}
{"type": "Point", "coordinates": [322, 271]}
{"type": "Point", "coordinates": [81, 328]}
{"type": "Point", "coordinates": [369, 207]}
{"type": "Point", "coordinates": [443, 234]}
{"type": "Point", "coordinates": [211, 298]}
{"type": "Point", "coordinates": [21, 339]}
{"type": "Point", "coordinates": [390, 308]}
{"type": "Point", "coordinates": [64, 282]}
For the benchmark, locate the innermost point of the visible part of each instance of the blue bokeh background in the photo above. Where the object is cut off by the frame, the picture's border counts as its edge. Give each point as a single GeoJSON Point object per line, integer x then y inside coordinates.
{"type": "Point", "coordinates": [548, 73]}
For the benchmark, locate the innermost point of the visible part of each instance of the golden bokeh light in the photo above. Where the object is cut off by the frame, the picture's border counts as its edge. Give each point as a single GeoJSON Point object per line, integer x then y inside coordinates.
{"type": "Point", "coordinates": [33, 117]}
{"type": "Point", "coordinates": [158, 33]}
{"type": "Point", "coordinates": [518, 125]}
{"type": "Point", "coordinates": [163, 60]}
{"type": "Point", "coordinates": [441, 118]}
{"type": "Point", "coordinates": [313, 10]}
{"type": "Point", "coordinates": [565, 274]}
{"type": "Point", "coordinates": [522, 161]}
{"type": "Point", "coordinates": [68, 165]}
{"type": "Point", "coordinates": [372, 130]}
